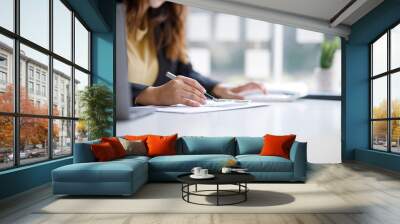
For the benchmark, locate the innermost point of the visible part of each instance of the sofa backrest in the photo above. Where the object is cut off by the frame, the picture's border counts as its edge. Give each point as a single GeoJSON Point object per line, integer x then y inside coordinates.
{"type": "Point", "coordinates": [249, 145]}
{"type": "Point", "coordinates": [192, 145]}
{"type": "Point", "coordinates": [83, 152]}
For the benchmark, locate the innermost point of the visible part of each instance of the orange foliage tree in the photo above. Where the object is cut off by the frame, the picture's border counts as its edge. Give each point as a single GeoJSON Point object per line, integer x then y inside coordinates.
{"type": "Point", "coordinates": [33, 131]}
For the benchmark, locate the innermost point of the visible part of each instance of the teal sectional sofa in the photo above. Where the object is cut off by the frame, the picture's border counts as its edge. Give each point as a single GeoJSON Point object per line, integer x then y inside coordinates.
{"type": "Point", "coordinates": [125, 176]}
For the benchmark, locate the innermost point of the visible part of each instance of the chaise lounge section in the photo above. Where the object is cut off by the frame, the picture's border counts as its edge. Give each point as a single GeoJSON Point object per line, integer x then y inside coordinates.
{"type": "Point", "coordinates": [125, 176]}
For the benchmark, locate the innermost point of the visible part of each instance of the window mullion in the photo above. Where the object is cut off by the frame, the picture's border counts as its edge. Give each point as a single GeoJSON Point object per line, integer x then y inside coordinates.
{"type": "Point", "coordinates": [389, 106]}
{"type": "Point", "coordinates": [50, 81]}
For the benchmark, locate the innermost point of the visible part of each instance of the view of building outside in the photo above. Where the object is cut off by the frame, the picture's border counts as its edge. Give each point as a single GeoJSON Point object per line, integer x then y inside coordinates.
{"type": "Point", "coordinates": [234, 49]}
{"type": "Point", "coordinates": [387, 128]}
{"type": "Point", "coordinates": [36, 117]}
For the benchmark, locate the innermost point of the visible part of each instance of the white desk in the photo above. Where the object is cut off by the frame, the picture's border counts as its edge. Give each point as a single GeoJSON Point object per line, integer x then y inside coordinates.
{"type": "Point", "coordinates": [314, 121]}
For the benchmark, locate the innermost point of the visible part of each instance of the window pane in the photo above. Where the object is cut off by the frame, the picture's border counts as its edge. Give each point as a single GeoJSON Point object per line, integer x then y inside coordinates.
{"type": "Point", "coordinates": [257, 30]}
{"type": "Point", "coordinates": [33, 139]}
{"type": "Point", "coordinates": [199, 21]}
{"type": "Point", "coordinates": [379, 55]}
{"type": "Point", "coordinates": [257, 63]}
{"type": "Point", "coordinates": [227, 27]}
{"type": "Point", "coordinates": [6, 142]}
{"type": "Point", "coordinates": [379, 97]}
{"type": "Point", "coordinates": [81, 81]}
{"type": "Point", "coordinates": [395, 136]}
{"type": "Point", "coordinates": [201, 60]}
{"type": "Point", "coordinates": [395, 47]}
{"type": "Point", "coordinates": [35, 21]}
{"type": "Point", "coordinates": [34, 72]}
{"type": "Point", "coordinates": [81, 45]}
{"type": "Point", "coordinates": [62, 89]}
{"type": "Point", "coordinates": [62, 138]}
{"type": "Point", "coordinates": [308, 37]}
{"type": "Point", "coordinates": [395, 94]}
{"type": "Point", "coordinates": [7, 14]}
{"type": "Point", "coordinates": [379, 135]}
{"type": "Point", "coordinates": [6, 74]}
{"type": "Point", "coordinates": [62, 29]}
{"type": "Point", "coordinates": [81, 131]}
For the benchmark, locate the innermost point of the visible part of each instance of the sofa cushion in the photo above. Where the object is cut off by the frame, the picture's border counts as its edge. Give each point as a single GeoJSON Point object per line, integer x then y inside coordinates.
{"type": "Point", "coordinates": [257, 163]}
{"type": "Point", "coordinates": [112, 171]}
{"type": "Point", "coordinates": [194, 145]}
{"type": "Point", "coordinates": [159, 145]}
{"type": "Point", "coordinates": [185, 163]}
{"type": "Point", "coordinates": [103, 152]}
{"type": "Point", "coordinates": [249, 145]}
{"type": "Point", "coordinates": [277, 145]}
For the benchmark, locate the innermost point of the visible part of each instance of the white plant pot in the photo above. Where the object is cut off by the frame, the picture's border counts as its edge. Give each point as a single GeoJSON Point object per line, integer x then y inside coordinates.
{"type": "Point", "coordinates": [325, 79]}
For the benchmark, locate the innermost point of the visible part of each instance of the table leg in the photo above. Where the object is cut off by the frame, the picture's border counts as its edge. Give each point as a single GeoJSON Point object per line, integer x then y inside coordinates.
{"type": "Point", "coordinates": [217, 194]}
{"type": "Point", "coordinates": [245, 193]}
{"type": "Point", "coordinates": [195, 188]}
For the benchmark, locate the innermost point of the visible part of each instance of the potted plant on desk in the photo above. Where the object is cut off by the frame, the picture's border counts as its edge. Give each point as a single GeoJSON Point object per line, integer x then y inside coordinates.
{"type": "Point", "coordinates": [325, 73]}
{"type": "Point", "coordinates": [96, 102]}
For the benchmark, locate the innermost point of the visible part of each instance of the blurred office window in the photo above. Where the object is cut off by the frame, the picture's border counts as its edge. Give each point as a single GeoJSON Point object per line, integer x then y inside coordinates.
{"type": "Point", "coordinates": [201, 60]}
{"type": "Point", "coordinates": [242, 49]}
{"type": "Point", "coordinates": [227, 27]}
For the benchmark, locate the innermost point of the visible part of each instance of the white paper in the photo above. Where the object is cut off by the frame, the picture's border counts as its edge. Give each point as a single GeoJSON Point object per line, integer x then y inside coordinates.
{"type": "Point", "coordinates": [209, 107]}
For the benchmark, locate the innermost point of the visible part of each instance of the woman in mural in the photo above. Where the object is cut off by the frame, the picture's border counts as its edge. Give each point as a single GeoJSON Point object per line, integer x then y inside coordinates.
{"type": "Point", "coordinates": [155, 44]}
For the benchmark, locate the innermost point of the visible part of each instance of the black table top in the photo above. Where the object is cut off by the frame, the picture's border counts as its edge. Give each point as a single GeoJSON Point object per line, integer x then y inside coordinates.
{"type": "Point", "coordinates": [220, 178]}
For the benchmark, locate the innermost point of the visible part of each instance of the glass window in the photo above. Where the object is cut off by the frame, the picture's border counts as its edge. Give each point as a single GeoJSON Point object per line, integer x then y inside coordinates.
{"type": "Point", "coordinates": [7, 14]}
{"type": "Point", "coordinates": [199, 21]}
{"type": "Point", "coordinates": [35, 21]}
{"type": "Point", "coordinates": [6, 142]}
{"type": "Point", "coordinates": [227, 27]}
{"type": "Point", "coordinates": [81, 82]}
{"type": "Point", "coordinates": [395, 47]}
{"type": "Point", "coordinates": [33, 140]}
{"type": "Point", "coordinates": [62, 29]}
{"type": "Point", "coordinates": [40, 62]}
{"type": "Point", "coordinates": [81, 45]}
{"type": "Point", "coordinates": [308, 37]}
{"type": "Point", "coordinates": [395, 95]}
{"type": "Point", "coordinates": [379, 135]}
{"type": "Point", "coordinates": [81, 131]}
{"type": "Point", "coordinates": [201, 60]}
{"type": "Point", "coordinates": [257, 30]}
{"type": "Point", "coordinates": [379, 56]}
{"type": "Point", "coordinates": [62, 72]}
{"type": "Point", "coordinates": [395, 136]}
{"type": "Point", "coordinates": [62, 138]}
{"type": "Point", "coordinates": [379, 98]}
{"type": "Point", "coordinates": [7, 74]}
{"type": "Point", "coordinates": [257, 63]}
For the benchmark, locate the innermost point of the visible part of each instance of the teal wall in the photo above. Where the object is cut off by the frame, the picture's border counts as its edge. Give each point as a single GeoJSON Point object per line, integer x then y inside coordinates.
{"type": "Point", "coordinates": [99, 15]}
{"type": "Point", "coordinates": [355, 74]}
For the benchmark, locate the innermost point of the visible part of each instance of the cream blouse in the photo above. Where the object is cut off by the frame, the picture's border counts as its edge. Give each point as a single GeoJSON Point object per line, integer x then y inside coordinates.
{"type": "Point", "coordinates": [142, 58]}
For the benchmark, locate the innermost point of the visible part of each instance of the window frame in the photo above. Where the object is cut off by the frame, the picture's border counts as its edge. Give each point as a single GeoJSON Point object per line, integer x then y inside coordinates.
{"type": "Point", "coordinates": [16, 115]}
{"type": "Point", "coordinates": [388, 74]}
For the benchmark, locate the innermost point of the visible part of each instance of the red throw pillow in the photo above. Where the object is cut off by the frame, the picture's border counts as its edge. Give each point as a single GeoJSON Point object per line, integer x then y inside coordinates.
{"type": "Point", "coordinates": [277, 145]}
{"type": "Point", "coordinates": [161, 145]}
{"type": "Point", "coordinates": [103, 152]}
{"type": "Point", "coordinates": [116, 145]}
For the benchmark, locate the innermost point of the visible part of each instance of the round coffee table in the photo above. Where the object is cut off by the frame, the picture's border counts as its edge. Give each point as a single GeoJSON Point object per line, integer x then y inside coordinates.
{"type": "Point", "coordinates": [238, 179]}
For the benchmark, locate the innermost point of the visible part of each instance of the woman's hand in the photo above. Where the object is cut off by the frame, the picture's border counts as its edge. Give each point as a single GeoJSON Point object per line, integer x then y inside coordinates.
{"type": "Point", "coordinates": [182, 90]}
{"type": "Point", "coordinates": [235, 92]}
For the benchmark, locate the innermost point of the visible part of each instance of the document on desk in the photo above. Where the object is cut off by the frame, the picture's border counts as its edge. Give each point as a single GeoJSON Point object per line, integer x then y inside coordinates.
{"type": "Point", "coordinates": [210, 106]}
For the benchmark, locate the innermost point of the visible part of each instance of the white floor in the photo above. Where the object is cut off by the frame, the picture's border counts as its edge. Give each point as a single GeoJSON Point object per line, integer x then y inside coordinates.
{"type": "Point", "coordinates": [317, 122]}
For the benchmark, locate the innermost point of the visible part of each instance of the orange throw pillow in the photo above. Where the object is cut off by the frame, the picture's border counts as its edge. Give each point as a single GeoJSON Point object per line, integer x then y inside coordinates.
{"type": "Point", "coordinates": [103, 152]}
{"type": "Point", "coordinates": [161, 145]}
{"type": "Point", "coordinates": [116, 145]}
{"type": "Point", "coordinates": [277, 145]}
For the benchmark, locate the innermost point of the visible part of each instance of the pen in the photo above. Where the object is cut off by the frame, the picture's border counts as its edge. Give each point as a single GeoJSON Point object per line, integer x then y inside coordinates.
{"type": "Point", "coordinates": [172, 76]}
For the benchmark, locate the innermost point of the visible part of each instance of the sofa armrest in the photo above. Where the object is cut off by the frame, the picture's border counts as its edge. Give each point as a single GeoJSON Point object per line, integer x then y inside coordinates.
{"type": "Point", "coordinates": [83, 152]}
{"type": "Point", "coordinates": [298, 155]}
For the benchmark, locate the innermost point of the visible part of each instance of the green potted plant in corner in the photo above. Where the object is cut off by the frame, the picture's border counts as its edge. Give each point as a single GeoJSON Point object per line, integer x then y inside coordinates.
{"type": "Point", "coordinates": [325, 72]}
{"type": "Point", "coordinates": [96, 103]}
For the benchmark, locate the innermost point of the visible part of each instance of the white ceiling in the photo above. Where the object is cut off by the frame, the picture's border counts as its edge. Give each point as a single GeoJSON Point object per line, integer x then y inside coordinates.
{"type": "Point", "coordinates": [313, 15]}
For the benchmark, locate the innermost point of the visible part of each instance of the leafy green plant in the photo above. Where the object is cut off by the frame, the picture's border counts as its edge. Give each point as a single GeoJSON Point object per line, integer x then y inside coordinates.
{"type": "Point", "coordinates": [96, 102]}
{"type": "Point", "coordinates": [328, 49]}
